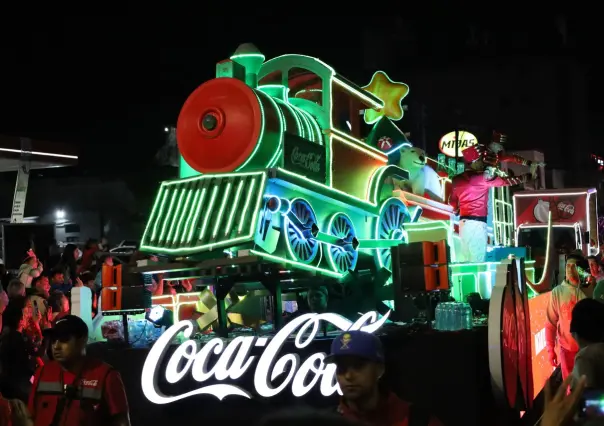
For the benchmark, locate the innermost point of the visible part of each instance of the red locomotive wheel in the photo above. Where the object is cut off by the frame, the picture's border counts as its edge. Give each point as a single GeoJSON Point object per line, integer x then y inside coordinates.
{"type": "Point", "coordinates": [219, 125]}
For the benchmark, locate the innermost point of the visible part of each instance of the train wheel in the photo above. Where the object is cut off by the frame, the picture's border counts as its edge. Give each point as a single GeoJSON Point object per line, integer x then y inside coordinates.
{"type": "Point", "coordinates": [300, 248]}
{"type": "Point", "coordinates": [342, 258]}
{"type": "Point", "coordinates": [393, 215]}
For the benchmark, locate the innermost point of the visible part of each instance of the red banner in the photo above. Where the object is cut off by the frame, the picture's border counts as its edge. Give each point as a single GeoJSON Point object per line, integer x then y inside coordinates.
{"type": "Point", "coordinates": [518, 355]}
{"type": "Point", "coordinates": [509, 340]}
{"type": "Point", "coordinates": [564, 208]}
{"type": "Point", "coordinates": [541, 366]}
{"type": "Point", "coordinates": [509, 350]}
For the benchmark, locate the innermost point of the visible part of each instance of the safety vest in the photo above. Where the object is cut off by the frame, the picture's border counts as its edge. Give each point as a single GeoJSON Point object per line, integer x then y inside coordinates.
{"type": "Point", "coordinates": [82, 403]}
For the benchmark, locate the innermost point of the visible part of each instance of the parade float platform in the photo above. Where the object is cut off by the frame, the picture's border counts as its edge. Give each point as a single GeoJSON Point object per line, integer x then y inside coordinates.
{"type": "Point", "coordinates": [282, 189]}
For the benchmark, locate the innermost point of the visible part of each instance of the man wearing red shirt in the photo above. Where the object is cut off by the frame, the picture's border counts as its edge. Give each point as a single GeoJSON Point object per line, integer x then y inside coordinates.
{"type": "Point", "coordinates": [73, 389]}
{"type": "Point", "coordinates": [470, 199]}
{"type": "Point", "coordinates": [359, 359]}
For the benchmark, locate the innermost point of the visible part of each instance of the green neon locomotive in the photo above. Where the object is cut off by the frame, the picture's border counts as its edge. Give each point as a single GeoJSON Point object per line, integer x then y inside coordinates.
{"type": "Point", "coordinates": [274, 161]}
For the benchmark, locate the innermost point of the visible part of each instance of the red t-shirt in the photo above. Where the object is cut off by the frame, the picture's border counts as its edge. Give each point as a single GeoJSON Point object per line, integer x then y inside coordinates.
{"type": "Point", "coordinates": [114, 395]}
{"type": "Point", "coordinates": [470, 193]}
{"type": "Point", "coordinates": [391, 411]}
{"type": "Point", "coordinates": [87, 257]}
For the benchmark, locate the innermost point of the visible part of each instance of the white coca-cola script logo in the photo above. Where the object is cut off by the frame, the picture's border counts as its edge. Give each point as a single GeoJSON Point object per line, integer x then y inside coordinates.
{"type": "Point", "coordinates": [235, 360]}
{"type": "Point", "coordinates": [308, 161]}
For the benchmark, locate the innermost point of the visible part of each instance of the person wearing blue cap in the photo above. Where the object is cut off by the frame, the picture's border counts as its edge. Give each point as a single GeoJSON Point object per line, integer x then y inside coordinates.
{"type": "Point", "coordinates": [359, 360]}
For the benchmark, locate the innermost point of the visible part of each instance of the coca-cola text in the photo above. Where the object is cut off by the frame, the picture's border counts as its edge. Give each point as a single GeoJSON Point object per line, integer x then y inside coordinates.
{"type": "Point", "coordinates": [235, 359]}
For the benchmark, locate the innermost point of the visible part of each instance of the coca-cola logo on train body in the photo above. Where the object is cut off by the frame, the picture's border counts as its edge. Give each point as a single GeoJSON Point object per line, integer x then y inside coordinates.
{"type": "Point", "coordinates": [235, 360]}
{"type": "Point", "coordinates": [309, 161]}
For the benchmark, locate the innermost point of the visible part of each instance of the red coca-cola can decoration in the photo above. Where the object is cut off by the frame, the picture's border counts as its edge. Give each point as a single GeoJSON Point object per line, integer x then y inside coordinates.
{"type": "Point", "coordinates": [566, 209]}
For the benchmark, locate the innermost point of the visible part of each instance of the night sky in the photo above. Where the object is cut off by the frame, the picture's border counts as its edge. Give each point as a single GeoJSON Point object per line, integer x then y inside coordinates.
{"type": "Point", "coordinates": [111, 85]}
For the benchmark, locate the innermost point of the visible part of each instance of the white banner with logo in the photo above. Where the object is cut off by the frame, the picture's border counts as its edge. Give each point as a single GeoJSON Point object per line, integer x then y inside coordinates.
{"type": "Point", "coordinates": [20, 193]}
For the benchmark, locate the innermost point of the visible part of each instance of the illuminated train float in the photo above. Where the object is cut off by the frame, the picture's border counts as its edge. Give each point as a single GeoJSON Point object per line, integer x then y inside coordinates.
{"type": "Point", "coordinates": [277, 169]}
{"type": "Point", "coordinates": [289, 162]}
{"type": "Point", "coordinates": [274, 161]}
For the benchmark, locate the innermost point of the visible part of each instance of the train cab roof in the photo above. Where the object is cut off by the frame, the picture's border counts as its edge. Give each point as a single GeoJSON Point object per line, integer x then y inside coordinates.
{"type": "Point", "coordinates": [296, 69]}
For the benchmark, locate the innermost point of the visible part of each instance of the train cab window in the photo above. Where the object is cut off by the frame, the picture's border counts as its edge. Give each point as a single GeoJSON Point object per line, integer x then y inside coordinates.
{"type": "Point", "coordinates": [304, 84]}
{"type": "Point", "coordinates": [536, 238]}
{"type": "Point", "coordinates": [276, 77]}
{"type": "Point", "coordinates": [347, 112]}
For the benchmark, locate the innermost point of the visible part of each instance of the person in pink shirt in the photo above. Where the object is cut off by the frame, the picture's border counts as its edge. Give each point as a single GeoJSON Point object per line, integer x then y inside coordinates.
{"type": "Point", "coordinates": [470, 199]}
{"type": "Point", "coordinates": [559, 310]}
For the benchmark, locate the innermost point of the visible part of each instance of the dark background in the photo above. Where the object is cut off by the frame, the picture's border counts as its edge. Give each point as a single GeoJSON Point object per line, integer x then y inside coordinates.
{"type": "Point", "coordinates": [110, 84]}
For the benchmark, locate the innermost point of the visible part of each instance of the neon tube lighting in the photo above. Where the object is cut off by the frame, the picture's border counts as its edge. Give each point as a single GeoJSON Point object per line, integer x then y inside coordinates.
{"type": "Point", "coordinates": [544, 225]}
{"type": "Point", "coordinates": [360, 144]}
{"type": "Point", "coordinates": [553, 194]}
{"type": "Point", "coordinates": [547, 254]}
{"type": "Point", "coordinates": [514, 212]}
{"type": "Point", "coordinates": [334, 79]}
{"type": "Point", "coordinates": [587, 214]}
{"type": "Point", "coordinates": [595, 237]}
{"type": "Point", "coordinates": [597, 252]}
{"type": "Point", "coordinates": [429, 207]}
{"type": "Point", "coordinates": [403, 145]}
{"type": "Point", "coordinates": [353, 91]}
{"type": "Point", "coordinates": [43, 154]}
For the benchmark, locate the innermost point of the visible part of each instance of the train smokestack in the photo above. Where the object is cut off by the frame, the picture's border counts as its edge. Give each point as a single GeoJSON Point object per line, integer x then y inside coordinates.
{"type": "Point", "coordinates": [248, 56]}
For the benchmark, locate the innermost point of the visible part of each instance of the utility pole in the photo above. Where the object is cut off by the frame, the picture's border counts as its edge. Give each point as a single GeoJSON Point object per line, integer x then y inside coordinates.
{"type": "Point", "coordinates": [423, 124]}
{"type": "Point", "coordinates": [457, 114]}
{"type": "Point", "coordinates": [18, 212]}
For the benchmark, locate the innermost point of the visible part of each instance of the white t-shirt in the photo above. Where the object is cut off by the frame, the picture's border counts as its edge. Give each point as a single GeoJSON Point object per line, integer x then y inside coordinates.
{"type": "Point", "coordinates": [589, 362]}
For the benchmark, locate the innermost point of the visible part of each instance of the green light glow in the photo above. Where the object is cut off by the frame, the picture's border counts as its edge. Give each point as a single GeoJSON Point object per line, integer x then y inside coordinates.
{"type": "Point", "coordinates": [229, 226]}
{"type": "Point", "coordinates": [207, 216]}
{"type": "Point", "coordinates": [327, 239]}
{"type": "Point", "coordinates": [299, 265]}
{"type": "Point", "coordinates": [248, 56]}
{"type": "Point", "coordinates": [182, 216]}
{"type": "Point", "coordinates": [503, 216]}
{"type": "Point", "coordinates": [220, 188]}
{"type": "Point", "coordinates": [340, 259]}
{"type": "Point", "coordinates": [378, 244]}
{"type": "Point", "coordinates": [163, 228]}
{"type": "Point", "coordinates": [223, 211]}
{"type": "Point", "coordinates": [391, 93]}
{"type": "Point", "coordinates": [478, 278]}
{"type": "Point", "coordinates": [324, 189]}
{"type": "Point", "coordinates": [201, 196]}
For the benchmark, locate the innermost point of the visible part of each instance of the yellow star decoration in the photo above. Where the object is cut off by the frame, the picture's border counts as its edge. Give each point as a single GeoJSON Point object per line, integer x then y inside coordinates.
{"type": "Point", "coordinates": [391, 93]}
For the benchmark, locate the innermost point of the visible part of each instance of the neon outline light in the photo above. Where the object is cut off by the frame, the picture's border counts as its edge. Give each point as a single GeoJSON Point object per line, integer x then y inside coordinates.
{"type": "Point", "coordinates": [40, 153]}
{"type": "Point", "coordinates": [399, 103]}
{"type": "Point", "coordinates": [145, 245]}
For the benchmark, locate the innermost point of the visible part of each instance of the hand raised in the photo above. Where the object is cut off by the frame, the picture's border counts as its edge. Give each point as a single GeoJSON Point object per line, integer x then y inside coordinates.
{"type": "Point", "coordinates": [559, 408]}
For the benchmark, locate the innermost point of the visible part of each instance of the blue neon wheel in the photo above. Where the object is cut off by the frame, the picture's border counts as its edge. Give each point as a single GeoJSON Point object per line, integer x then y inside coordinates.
{"type": "Point", "coordinates": [389, 226]}
{"type": "Point", "coordinates": [342, 258]}
{"type": "Point", "coordinates": [301, 248]}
